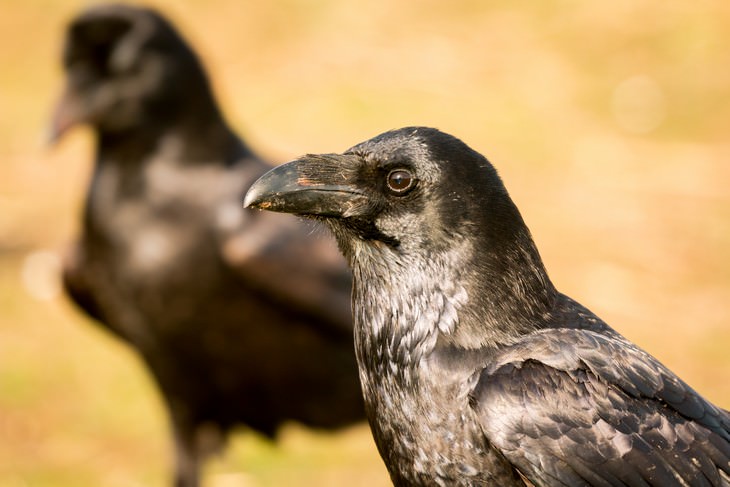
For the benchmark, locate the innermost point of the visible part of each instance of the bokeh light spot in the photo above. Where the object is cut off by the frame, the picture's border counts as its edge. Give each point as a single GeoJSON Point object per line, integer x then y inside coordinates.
{"type": "Point", "coordinates": [40, 275]}
{"type": "Point", "coordinates": [638, 104]}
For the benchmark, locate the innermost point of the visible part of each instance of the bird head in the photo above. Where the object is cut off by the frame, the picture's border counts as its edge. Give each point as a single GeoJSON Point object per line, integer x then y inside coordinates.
{"type": "Point", "coordinates": [125, 66]}
{"type": "Point", "coordinates": [415, 188]}
{"type": "Point", "coordinates": [420, 205]}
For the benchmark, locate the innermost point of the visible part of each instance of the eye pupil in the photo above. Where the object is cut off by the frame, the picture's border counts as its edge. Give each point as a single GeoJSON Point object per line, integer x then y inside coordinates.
{"type": "Point", "coordinates": [400, 180]}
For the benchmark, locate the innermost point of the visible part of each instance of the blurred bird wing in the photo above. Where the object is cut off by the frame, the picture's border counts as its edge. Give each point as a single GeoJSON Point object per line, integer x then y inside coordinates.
{"type": "Point", "coordinates": [84, 283]}
{"type": "Point", "coordinates": [573, 407]}
{"type": "Point", "coordinates": [287, 260]}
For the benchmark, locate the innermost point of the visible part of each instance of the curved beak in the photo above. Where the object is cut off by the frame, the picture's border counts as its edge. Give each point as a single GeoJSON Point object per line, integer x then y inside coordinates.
{"type": "Point", "coordinates": [66, 114]}
{"type": "Point", "coordinates": [314, 185]}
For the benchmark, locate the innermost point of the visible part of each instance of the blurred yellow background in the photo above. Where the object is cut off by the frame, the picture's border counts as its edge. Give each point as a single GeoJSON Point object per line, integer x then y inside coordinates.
{"type": "Point", "coordinates": [609, 122]}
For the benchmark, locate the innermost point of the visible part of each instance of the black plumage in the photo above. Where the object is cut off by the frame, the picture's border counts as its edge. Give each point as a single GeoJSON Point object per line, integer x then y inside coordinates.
{"type": "Point", "coordinates": [475, 369]}
{"type": "Point", "coordinates": [241, 317]}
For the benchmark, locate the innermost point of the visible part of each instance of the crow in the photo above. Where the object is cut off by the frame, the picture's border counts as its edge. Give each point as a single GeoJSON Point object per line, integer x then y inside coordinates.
{"type": "Point", "coordinates": [242, 319]}
{"type": "Point", "coordinates": [474, 368]}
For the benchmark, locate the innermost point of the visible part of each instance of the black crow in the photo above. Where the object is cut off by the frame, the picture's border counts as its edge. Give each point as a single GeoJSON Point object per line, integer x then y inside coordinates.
{"type": "Point", "coordinates": [240, 317]}
{"type": "Point", "coordinates": [474, 368]}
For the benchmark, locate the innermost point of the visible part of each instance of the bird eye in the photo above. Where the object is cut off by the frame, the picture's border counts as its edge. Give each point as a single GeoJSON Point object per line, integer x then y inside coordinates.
{"type": "Point", "coordinates": [400, 181]}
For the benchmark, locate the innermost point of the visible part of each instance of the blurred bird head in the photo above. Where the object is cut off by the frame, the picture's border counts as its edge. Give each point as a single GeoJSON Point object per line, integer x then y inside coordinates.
{"type": "Point", "coordinates": [126, 69]}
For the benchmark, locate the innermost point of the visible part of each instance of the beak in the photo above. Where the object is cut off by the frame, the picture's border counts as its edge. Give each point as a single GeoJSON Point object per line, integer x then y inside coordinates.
{"type": "Point", "coordinates": [66, 114]}
{"type": "Point", "coordinates": [315, 185]}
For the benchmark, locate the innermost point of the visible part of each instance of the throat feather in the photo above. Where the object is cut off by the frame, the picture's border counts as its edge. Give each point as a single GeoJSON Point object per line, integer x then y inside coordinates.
{"type": "Point", "coordinates": [403, 305]}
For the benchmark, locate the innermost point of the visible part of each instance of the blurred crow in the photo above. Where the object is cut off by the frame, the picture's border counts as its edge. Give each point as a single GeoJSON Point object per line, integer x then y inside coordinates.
{"type": "Point", "coordinates": [241, 317]}
{"type": "Point", "coordinates": [475, 369]}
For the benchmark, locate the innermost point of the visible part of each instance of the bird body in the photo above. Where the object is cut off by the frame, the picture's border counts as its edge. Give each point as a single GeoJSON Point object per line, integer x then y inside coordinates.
{"type": "Point", "coordinates": [475, 370]}
{"type": "Point", "coordinates": [226, 307]}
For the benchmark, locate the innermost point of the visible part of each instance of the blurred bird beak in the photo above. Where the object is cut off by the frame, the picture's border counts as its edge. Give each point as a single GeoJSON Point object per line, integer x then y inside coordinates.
{"type": "Point", "coordinates": [66, 114]}
{"type": "Point", "coordinates": [315, 185]}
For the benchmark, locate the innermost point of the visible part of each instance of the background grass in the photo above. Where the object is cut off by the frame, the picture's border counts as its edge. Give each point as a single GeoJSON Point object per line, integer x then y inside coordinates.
{"type": "Point", "coordinates": [608, 121]}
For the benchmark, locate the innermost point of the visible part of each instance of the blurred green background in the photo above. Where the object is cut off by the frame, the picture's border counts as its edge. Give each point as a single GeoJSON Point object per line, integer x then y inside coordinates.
{"type": "Point", "coordinates": [608, 121]}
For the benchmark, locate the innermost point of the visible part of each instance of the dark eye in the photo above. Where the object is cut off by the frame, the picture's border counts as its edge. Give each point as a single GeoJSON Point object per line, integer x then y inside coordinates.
{"type": "Point", "coordinates": [400, 180]}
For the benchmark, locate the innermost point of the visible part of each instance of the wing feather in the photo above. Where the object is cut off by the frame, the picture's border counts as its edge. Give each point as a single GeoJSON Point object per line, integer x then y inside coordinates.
{"type": "Point", "coordinates": [570, 407]}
